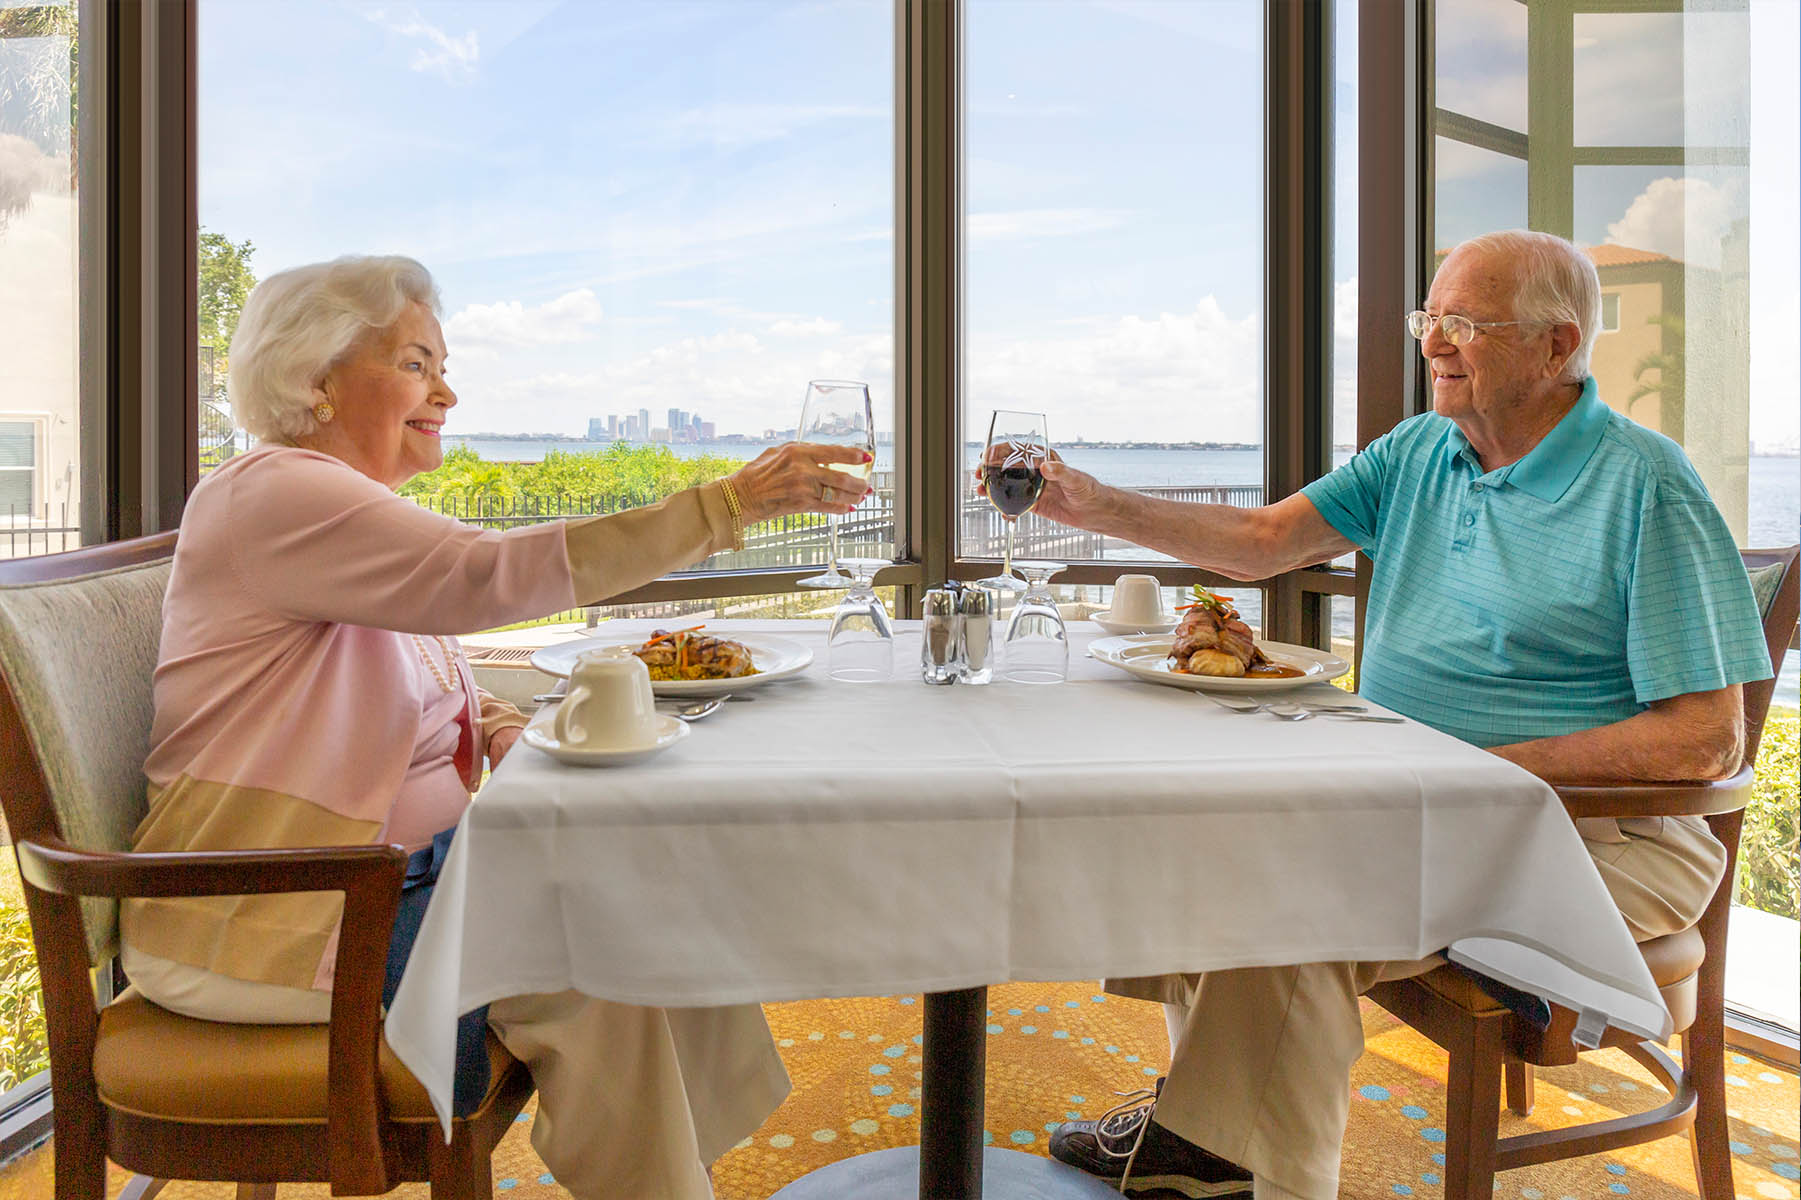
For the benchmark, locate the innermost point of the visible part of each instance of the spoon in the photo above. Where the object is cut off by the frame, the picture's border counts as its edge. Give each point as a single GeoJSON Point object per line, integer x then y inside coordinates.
{"type": "Point", "coordinates": [1294, 712]}
{"type": "Point", "coordinates": [700, 708]}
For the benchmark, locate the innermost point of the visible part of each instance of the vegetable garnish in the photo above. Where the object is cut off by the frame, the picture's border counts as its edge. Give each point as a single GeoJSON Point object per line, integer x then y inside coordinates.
{"type": "Point", "coordinates": [669, 633]}
{"type": "Point", "coordinates": [1205, 599]}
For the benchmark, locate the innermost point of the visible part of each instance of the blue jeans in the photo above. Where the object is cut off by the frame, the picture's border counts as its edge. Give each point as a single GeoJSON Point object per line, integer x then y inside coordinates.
{"type": "Point", "coordinates": [422, 869]}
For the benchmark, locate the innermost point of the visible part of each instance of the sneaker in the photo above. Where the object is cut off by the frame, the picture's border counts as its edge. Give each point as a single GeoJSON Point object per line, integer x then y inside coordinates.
{"type": "Point", "coordinates": [1164, 1163]}
{"type": "Point", "coordinates": [1102, 1147]}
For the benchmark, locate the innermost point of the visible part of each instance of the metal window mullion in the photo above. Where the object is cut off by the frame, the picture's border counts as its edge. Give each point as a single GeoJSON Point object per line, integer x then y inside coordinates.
{"type": "Point", "coordinates": [1551, 117]}
{"type": "Point", "coordinates": [1297, 284]}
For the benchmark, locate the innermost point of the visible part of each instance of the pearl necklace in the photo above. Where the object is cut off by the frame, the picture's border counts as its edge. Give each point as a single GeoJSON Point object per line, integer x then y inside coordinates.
{"type": "Point", "coordinates": [431, 662]}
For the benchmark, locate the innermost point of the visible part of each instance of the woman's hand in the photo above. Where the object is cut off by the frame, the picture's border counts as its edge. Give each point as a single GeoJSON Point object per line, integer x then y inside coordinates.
{"type": "Point", "coordinates": [792, 478]}
{"type": "Point", "coordinates": [501, 741]}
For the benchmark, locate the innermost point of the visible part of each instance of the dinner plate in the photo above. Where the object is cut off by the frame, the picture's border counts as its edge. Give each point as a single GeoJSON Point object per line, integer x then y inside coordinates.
{"type": "Point", "coordinates": [1146, 656]}
{"type": "Point", "coordinates": [774, 658]}
{"type": "Point", "coordinates": [541, 735]}
{"type": "Point", "coordinates": [1105, 620]}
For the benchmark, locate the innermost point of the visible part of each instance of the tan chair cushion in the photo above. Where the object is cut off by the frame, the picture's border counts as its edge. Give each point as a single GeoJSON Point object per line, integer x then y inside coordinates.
{"type": "Point", "coordinates": [1673, 961]}
{"type": "Point", "coordinates": [151, 1061]}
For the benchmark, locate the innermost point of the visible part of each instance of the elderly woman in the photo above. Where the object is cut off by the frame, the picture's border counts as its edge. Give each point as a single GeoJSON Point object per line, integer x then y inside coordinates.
{"type": "Point", "coordinates": [310, 692]}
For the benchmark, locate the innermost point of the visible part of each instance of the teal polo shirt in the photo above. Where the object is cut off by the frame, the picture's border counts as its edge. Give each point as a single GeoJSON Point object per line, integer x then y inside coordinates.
{"type": "Point", "coordinates": [1567, 590]}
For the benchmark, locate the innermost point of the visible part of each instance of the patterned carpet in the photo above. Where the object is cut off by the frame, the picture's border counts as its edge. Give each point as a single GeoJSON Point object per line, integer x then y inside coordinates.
{"type": "Point", "coordinates": [1058, 1051]}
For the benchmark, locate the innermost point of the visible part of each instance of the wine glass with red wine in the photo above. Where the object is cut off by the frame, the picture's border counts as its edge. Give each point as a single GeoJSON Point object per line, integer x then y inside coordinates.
{"type": "Point", "coordinates": [1013, 477]}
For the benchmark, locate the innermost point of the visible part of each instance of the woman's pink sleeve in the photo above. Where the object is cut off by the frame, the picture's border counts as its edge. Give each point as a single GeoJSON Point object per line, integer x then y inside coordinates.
{"type": "Point", "coordinates": [312, 539]}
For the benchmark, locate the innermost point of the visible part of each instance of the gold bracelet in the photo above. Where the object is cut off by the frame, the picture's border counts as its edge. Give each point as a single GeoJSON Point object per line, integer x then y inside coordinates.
{"type": "Point", "coordinates": [736, 509]}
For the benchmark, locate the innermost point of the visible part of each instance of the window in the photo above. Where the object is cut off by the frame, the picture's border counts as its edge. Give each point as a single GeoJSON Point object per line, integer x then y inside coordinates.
{"type": "Point", "coordinates": [641, 265]}
{"type": "Point", "coordinates": [1610, 312]}
{"type": "Point", "coordinates": [18, 467]}
{"type": "Point", "coordinates": [41, 433]}
{"type": "Point", "coordinates": [1677, 173]}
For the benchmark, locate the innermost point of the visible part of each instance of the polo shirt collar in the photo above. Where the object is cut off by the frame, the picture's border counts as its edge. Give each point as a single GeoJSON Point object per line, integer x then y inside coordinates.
{"type": "Point", "coordinates": [1550, 467]}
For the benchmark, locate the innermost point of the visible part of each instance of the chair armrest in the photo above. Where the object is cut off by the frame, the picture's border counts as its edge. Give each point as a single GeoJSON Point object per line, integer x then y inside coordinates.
{"type": "Point", "coordinates": [1658, 799]}
{"type": "Point", "coordinates": [370, 878]}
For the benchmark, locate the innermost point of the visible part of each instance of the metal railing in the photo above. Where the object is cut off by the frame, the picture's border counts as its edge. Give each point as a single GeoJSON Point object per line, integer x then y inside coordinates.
{"type": "Point", "coordinates": [24, 533]}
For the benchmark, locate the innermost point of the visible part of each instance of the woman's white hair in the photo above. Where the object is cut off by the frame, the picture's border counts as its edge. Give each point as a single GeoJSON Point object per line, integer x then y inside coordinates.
{"type": "Point", "coordinates": [1557, 283]}
{"type": "Point", "coordinates": [297, 323]}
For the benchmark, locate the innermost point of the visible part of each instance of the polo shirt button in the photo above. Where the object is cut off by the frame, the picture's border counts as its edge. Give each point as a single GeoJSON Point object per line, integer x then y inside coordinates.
{"type": "Point", "coordinates": [1475, 487]}
{"type": "Point", "coordinates": [1469, 518]}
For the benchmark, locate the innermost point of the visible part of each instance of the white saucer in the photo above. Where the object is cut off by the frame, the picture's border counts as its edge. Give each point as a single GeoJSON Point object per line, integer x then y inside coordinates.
{"type": "Point", "coordinates": [539, 736]}
{"type": "Point", "coordinates": [1105, 621]}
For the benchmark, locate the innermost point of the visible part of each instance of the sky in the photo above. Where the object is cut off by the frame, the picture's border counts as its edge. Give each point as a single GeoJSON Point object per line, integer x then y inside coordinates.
{"type": "Point", "coordinates": [689, 203]}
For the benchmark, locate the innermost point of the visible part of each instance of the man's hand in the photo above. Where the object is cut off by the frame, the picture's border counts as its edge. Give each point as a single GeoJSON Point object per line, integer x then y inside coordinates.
{"type": "Point", "coordinates": [501, 741]}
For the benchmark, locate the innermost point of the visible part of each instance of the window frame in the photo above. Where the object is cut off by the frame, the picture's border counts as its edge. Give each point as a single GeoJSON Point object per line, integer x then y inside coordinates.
{"type": "Point", "coordinates": [38, 423]}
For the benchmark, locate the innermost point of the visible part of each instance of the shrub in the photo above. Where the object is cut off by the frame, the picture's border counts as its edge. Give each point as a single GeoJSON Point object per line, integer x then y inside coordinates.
{"type": "Point", "coordinates": [1769, 877]}
{"type": "Point", "coordinates": [24, 1046]}
{"type": "Point", "coordinates": [625, 474]}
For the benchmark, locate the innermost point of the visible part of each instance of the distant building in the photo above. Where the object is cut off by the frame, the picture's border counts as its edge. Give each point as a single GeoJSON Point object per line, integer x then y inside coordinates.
{"type": "Point", "coordinates": [630, 430]}
{"type": "Point", "coordinates": [660, 435]}
{"type": "Point", "coordinates": [678, 420]}
{"type": "Point", "coordinates": [597, 429]}
{"type": "Point", "coordinates": [612, 426]}
{"type": "Point", "coordinates": [708, 431]}
{"type": "Point", "coordinates": [644, 424]}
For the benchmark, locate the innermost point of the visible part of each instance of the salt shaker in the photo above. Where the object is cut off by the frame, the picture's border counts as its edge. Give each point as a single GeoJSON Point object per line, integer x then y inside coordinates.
{"type": "Point", "coordinates": [941, 637]}
{"type": "Point", "coordinates": [976, 606]}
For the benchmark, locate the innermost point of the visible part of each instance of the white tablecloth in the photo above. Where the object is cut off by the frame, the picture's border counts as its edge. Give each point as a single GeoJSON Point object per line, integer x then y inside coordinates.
{"type": "Point", "coordinates": [833, 839]}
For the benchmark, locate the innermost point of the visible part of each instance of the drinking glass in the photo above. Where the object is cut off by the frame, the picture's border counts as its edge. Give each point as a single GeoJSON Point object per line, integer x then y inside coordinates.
{"type": "Point", "coordinates": [837, 412]}
{"type": "Point", "coordinates": [1037, 645]}
{"type": "Point", "coordinates": [1013, 478]}
{"type": "Point", "coordinates": [860, 648]}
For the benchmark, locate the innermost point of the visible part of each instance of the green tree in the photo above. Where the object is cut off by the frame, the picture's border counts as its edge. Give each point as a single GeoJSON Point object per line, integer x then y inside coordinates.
{"type": "Point", "coordinates": [225, 282]}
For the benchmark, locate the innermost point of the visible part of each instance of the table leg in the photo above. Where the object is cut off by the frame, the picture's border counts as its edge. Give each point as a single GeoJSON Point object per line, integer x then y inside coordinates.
{"type": "Point", "coordinates": [951, 1101]}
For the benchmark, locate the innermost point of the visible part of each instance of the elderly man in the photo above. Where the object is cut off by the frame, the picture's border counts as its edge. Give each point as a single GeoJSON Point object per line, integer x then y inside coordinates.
{"type": "Point", "coordinates": [1552, 583]}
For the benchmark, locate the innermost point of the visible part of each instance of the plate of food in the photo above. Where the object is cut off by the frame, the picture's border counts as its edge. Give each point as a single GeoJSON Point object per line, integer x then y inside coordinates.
{"type": "Point", "coordinates": [688, 662]}
{"type": "Point", "coordinates": [1213, 650]}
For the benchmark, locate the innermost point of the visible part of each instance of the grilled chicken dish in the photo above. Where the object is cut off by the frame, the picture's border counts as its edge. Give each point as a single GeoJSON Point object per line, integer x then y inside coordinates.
{"type": "Point", "coordinates": [1211, 640]}
{"type": "Point", "coordinates": [689, 654]}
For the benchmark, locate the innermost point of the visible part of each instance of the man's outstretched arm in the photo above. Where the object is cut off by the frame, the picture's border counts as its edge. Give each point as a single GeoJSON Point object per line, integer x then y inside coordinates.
{"type": "Point", "coordinates": [1242, 543]}
{"type": "Point", "coordinates": [1697, 735]}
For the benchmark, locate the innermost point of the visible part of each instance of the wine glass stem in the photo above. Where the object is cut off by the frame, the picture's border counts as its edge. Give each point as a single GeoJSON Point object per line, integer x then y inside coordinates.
{"type": "Point", "coordinates": [1007, 560]}
{"type": "Point", "coordinates": [831, 525]}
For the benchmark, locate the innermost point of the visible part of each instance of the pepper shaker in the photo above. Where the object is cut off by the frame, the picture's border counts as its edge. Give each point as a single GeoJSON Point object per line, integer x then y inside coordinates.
{"type": "Point", "coordinates": [941, 637]}
{"type": "Point", "coordinates": [976, 606]}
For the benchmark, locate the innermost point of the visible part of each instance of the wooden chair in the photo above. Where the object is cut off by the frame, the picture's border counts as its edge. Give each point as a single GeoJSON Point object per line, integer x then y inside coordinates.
{"type": "Point", "coordinates": [1487, 1042]}
{"type": "Point", "coordinates": [164, 1095]}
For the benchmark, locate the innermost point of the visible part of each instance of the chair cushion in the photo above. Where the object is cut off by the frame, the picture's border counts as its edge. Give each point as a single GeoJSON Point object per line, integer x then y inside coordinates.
{"type": "Point", "coordinates": [1765, 581]}
{"type": "Point", "coordinates": [1673, 961]}
{"type": "Point", "coordinates": [151, 1061]}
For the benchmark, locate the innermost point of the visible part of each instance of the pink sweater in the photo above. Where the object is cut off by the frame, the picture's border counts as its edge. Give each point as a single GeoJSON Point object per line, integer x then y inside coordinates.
{"type": "Point", "coordinates": [290, 695]}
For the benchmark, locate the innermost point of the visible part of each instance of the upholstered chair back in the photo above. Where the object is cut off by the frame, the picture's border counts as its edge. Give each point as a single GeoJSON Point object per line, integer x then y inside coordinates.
{"type": "Point", "coordinates": [77, 656]}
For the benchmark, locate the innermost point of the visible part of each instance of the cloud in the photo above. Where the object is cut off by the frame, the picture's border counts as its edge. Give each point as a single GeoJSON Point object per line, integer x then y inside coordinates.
{"type": "Point", "coordinates": [487, 328]}
{"type": "Point", "coordinates": [1685, 218]}
{"type": "Point", "coordinates": [453, 59]}
{"type": "Point", "coordinates": [816, 327]}
{"type": "Point", "coordinates": [1041, 222]}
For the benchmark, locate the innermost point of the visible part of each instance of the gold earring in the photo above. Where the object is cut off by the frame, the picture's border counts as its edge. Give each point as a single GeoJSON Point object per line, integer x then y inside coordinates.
{"type": "Point", "coordinates": [323, 412]}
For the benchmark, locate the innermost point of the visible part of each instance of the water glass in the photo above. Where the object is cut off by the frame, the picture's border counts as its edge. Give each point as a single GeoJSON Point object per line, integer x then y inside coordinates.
{"type": "Point", "coordinates": [1037, 645]}
{"type": "Point", "coordinates": [860, 648]}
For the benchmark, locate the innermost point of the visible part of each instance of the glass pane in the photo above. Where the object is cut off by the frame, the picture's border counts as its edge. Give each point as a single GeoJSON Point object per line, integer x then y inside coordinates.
{"type": "Point", "coordinates": [641, 265]}
{"type": "Point", "coordinates": [1474, 191]}
{"type": "Point", "coordinates": [38, 275]}
{"type": "Point", "coordinates": [1635, 53]}
{"type": "Point", "coordinates": [39, 325]}
{"type": "Point", "coordinates": [1480, 49]}
{"type": "Point", "coordinates": [1111, 282]}
{"type": "Point", "coordinates": [1343, 415]}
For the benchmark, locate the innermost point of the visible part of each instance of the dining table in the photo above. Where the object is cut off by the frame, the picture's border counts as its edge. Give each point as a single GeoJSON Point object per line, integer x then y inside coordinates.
{"type": "Point", "coordinates": [829, 839]}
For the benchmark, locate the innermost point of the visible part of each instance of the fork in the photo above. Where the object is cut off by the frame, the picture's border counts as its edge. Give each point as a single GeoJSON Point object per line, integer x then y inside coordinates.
{"type": "Point", "coordinates": [1288, 711]}
{"type": "Point", "coordinates": [1254, 706]}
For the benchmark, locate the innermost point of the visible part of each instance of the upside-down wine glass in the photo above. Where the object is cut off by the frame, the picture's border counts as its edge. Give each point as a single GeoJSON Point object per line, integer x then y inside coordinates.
{"type": "Point", "coordinates": [1013, 478]}
{"type": "Point", "coordinates": [1037, 645]}
{"type": "Point", "coordinates": [837, 412]}
{"type": "Point", "coordinates": [860, 648]}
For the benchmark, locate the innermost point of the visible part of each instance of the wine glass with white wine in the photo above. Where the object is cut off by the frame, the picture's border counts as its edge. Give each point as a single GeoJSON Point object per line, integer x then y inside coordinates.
{"type": "Point", "coordinates": [837, 412]}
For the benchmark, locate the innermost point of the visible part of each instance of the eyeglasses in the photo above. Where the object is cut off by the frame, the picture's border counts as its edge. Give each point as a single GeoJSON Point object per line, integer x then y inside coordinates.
{"type": "Point", "coordinates": [1456, 330]}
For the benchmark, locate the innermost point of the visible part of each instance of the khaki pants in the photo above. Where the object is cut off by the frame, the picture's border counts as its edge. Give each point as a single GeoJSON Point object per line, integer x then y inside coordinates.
{"type": "Point", "coordinates": [634, 1102]}
{"type": "Point", "coordinates": [1261, 1057]}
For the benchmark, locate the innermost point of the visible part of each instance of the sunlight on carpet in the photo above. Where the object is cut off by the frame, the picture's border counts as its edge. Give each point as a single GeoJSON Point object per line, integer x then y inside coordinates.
{"type": "Point", "coordinates": [1060, 1051]}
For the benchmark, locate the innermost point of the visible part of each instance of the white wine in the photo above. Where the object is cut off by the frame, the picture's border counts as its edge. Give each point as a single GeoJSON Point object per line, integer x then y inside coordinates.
{"type": "Point", "coordinates": [854, 470]}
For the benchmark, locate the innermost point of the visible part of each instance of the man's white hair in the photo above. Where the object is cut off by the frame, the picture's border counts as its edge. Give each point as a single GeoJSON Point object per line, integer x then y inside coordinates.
{"type": "Point", "coordinates": [297, 323]}
{"type": "Point", "coordinates": [1556, 283]}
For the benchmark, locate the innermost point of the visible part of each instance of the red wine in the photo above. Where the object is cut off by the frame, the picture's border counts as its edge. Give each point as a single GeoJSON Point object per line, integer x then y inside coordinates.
{"type": "Point", "coordinates": [1013, 490]}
